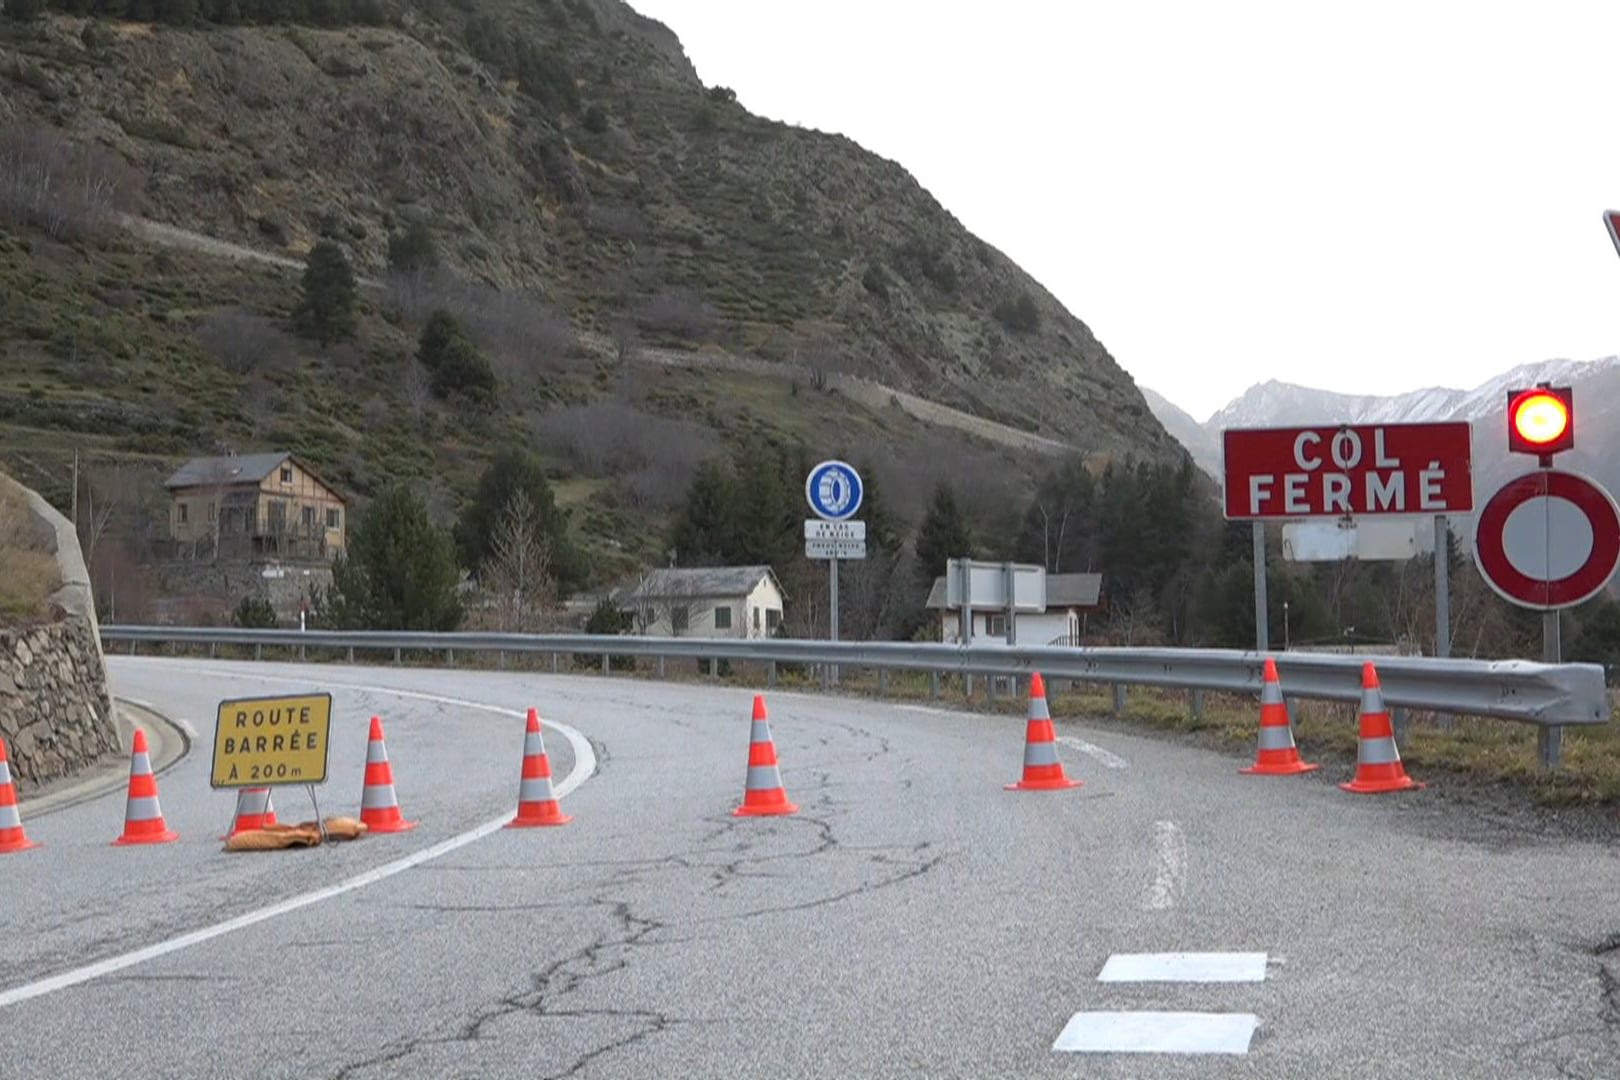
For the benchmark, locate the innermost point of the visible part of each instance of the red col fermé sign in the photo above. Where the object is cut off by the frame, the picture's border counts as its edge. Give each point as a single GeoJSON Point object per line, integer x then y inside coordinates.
{"type": "Point", "coordinates": [1354, 469]}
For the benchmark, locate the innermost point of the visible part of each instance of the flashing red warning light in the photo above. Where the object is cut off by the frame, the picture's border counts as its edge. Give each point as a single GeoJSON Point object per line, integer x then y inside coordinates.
{"type": "Point", "coordinates": [1541, 420]}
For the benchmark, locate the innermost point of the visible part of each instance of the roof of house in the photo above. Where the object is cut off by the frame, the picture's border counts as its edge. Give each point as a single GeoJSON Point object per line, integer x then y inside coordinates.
{"type": "Point", "coordinates": [236, 469]}
{"type": "Point", "coordinates": [1062, 591]}
{"type": "Point", "coordinates": [701, 581]}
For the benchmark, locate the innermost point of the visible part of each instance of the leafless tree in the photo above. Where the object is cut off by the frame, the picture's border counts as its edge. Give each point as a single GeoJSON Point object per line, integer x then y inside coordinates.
{"type": "Point", "coordinates": [674, 603]}
{"type": "Point", "coordinates": [677, 312]}
{"type": "Point", "coordinates": [517, 588]}
{"type": "Point", "coordinates": [242, 341]}
{"type": "Point", "coordinates": [626, 340]}
{"type": "Point", "coordinates": [418, 387]}
{"type": "Point", "coordinates": [62, 188]}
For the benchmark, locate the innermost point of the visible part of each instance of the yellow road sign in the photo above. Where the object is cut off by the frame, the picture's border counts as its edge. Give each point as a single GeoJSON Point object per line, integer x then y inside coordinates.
{"type": "Point", "coordinates": [263, 742]}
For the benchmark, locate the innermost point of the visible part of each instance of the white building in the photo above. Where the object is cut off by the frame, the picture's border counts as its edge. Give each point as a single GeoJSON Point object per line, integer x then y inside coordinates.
{"type": "Point", "coordinates": [1070, 600]}
{"type": "Point", "coordinates": [712, 602]}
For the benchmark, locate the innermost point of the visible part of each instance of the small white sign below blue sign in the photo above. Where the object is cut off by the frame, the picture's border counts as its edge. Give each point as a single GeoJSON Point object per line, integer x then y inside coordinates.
{"type": "Point", "coordinates": [834, 490]}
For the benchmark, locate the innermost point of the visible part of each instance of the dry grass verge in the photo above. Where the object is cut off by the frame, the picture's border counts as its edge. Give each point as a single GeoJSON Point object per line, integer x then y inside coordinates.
{"type": "Point", "coordinates": [28, 573]}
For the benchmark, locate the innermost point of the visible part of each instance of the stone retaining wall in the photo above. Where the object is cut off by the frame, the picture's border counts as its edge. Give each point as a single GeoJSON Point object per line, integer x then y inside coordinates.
{"type": "Point", "coordinates": [56, 714]}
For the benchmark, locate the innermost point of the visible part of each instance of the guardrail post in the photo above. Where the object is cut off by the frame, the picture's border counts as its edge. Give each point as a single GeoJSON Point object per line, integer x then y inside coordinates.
{"type": "Point", "coordinates": [1195, 704]}
{"type": "Point", "coordinates": [714, 668]}
{"type": "Point", "coordinates": [449, 658]}
{"type": "Point", "coordinates": [500, 659]}
{"type": "Point", "coordinates": [1549, 743]}
{"type": "Point", "coordinates": [1398, 720]}
{"type": "Point", "coordinates": [605, 659]}
{"type": "Point", "coordinates": [351, 654]}
{"type": "Point", "coordinates": [301, 656]}
{"type": "Point", "coordinates": [990, 689]}
{"type": "Point", "coordinates": [660, 667]}
{"type": "Point", "coordinates": [770, 674]}
{"type": "Point", "coordinates": [967, 685]}
{"type": "Point", "coordinates": [933, 686]}
{"type": "Point", "coordinates": [554, 663]}
{"type": "Point", "coordinates": [258, 651]}
{"type": "Point", "coordinates": [883, 682]}
{"type": "Point", "coordinates": [398, 659]}
{"type": "Point", "coordinates": [213, 651]}
{"type": "Point", "coordinates": [1119, 699]}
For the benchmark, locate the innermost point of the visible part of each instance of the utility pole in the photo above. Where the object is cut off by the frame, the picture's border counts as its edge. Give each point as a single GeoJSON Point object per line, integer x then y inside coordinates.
{"type": "Point", "coordinates": [75, 499]}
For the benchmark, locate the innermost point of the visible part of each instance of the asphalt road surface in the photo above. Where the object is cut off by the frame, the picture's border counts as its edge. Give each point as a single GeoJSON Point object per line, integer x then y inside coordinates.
{"type": "Point", "coordinates": [913, 919]}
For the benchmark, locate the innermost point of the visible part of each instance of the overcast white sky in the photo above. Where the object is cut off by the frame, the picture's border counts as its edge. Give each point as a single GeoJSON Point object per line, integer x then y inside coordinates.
{"type": "Point", "coordinates": [1368, 197]}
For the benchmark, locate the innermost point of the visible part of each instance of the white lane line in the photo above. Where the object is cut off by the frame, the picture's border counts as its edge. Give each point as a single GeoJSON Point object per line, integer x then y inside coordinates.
{"type": "Point", "coordinates": [1105, 757]}
{"type": "Point", "coordinates": [1185, 967]}
{"type": "Point", "coordinates": [1157, 1033]}
{"type": "Point", "coordinates": [584, 767]}
{"type": "Point", "coordinates": [1170, 869]}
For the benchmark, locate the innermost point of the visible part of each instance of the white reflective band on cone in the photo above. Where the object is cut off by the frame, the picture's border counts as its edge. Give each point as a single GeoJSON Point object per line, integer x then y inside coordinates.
{"type": "Point", "coordinates": [1040, 753]}
{"type": "Point", "coordinates": [378, 797]}
{"type": "Point", "coordinates": [145, 808]}
{"type": "Point", "coordinates": [1276, 738]}
{"type": "Point", "coordinates": [1380, 751]}
{"type": "Point", "coordinates": [763, 778]}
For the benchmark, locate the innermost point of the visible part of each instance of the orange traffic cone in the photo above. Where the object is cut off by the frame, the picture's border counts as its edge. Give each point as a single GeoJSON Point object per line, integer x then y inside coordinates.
{"type": "Point", "coordinates": [12, 837]}
{"type": "Point", "coordinates": [379, 808]}
{"type": "Point", "coordinates": [1042, 769]}
{"type": "Point", "coordinates": [1378, 763]}
{"type": "Point", "coordinates": [143, 816]}
{"type": "Point", "coordinates": [536, 803]}
{"type": "Point", "coordinates": [254, 810]}
{"type": "Point", "coordinates": [763, 793]}
{"type": "Point", "coordinates": [1277, 755]}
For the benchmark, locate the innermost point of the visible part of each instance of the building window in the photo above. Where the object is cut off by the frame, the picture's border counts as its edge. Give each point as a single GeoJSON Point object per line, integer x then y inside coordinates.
{"type": "Point", "coordinates": [677, 620]}
{"type": "Point", "coordinates": [332, 518]}
{"type": "Point", "coordinates": [185, 512]}
{"type": "Point", "coordinates": [722, 618]}
{"type": "Point", "coordinates": [997, 625]}
{"type": "Point", "coordinates": [756, 618]}
{"type": "Point", "coordinates": [308, 516]}
{"type": "Point", "coordinates": [212, 507]}
{"type": "Point", "coordinates": [286, 474]}
{"type": "Point", "coordinates": [773, 619]}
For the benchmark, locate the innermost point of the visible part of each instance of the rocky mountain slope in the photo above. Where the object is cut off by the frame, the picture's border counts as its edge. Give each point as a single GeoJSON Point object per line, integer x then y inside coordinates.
{"type": "Point", "coordinates": [588, 198]}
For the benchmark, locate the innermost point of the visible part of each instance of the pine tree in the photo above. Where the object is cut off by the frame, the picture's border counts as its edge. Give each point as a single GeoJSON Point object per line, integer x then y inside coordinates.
{"type": "Point", "coordinates": [413, 249]}
{"type": "Point", "coordinates": [942, 536]}
{"type": "Point", "coordinates": [399, 572]}
{"type": "Point", "coordinates": [511, 472]}
{"type": "Point", "coordinates": [327, 310]}
{"type": "Point", "coordinates": [703, 530]}
{"type": "Point", "coordinates": [762, 512]}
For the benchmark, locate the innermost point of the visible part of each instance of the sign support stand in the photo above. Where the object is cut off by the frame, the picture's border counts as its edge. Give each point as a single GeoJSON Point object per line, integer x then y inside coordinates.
{"type": "Point", "coordinates": [832, 613]}
{"type": "Point", "coordinates": [1442, 597]}
{"type": "Point", "coordinates": [320, 823]}
{"type": "Point", "coordinates": [1262, 631]}
{"type": "Point", "coordinates": [1550, 740]}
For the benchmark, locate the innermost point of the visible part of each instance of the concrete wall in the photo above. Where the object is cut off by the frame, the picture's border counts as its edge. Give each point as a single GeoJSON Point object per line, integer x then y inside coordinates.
{"type": "Point", "coordinates": [55, 711]}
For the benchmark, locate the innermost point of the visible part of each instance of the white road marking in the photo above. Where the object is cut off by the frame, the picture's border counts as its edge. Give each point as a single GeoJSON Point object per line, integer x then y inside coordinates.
{"type": "Point", "coordinates": [1157, 1033]}
{"type": "Point", "coordinates": [1207, 967]}
{"type": "Point", "coordinates": [1170, 873]}
{"type": "Point", "coordinates": [584, 767]}
{"type": "Point", "coordinates": [1105, 757]}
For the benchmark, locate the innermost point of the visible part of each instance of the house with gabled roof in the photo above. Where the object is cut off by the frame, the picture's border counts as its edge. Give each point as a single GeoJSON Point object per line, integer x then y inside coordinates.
{"type": "Point", "coordinates": [719, 601]}
{"type": "Point", "coordinates": [246, 506]}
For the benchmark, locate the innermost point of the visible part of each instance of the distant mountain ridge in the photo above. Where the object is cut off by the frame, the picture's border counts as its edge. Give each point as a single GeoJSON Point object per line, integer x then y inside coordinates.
{"type": "Point", "coordinates": [1279, 404]}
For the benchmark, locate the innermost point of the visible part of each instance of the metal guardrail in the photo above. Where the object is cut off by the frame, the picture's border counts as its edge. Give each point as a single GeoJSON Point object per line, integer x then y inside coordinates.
{"type": "Point", "coordinates": [1547, 695]}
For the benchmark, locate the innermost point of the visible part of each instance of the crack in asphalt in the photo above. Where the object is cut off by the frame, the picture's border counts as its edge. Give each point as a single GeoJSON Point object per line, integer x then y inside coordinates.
{"type": "Point", "coordinates": [556, 980]}
{"type": "Point", "coordinates": [913, 870]}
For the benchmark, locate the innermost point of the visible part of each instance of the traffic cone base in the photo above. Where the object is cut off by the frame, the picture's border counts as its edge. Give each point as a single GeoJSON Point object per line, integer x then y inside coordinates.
{"type": "Point", "coordinates": [1042, 769]}
{"type": "Point", "coordinates": [12, 837]}
{"type": "Point", "coordinates": [1378, 762]}
{"type": "Point", "coordinates": [143, 815]}
{"type": "Point", "coordinates": [763, 793]}
{"type": "Point", "coordinates": [537, 804]}
{"type": "Point", "coordinates": [379, 807]}
{"type": "Point", "coordinates": [1277, 755]}
{"type": "Point", "coordinates": [254, 810]}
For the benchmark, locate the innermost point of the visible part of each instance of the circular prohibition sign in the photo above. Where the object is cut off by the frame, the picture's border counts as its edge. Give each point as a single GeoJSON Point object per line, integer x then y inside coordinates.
{"type": "Point", "coordinates": [1504, 549]}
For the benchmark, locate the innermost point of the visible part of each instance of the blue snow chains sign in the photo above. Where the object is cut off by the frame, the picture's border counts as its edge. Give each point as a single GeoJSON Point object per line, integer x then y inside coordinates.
{"type": "Point", "coordinates": [834, 490]}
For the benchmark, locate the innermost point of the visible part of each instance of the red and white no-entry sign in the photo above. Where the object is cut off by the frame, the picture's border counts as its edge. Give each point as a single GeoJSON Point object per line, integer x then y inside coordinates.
{"type": "Point", "coordinates": [1548, 540]}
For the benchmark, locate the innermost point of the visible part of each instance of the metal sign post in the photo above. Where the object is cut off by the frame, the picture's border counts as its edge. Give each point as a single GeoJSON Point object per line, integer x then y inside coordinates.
{"type": "Point", "coordinates": [1262, 628]}
{"type": "Point", "coordinates": [834, 489]}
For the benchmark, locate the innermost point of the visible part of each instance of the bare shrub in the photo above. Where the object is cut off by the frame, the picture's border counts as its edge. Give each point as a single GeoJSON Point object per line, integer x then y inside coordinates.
{"type": "Point", "coordinates": [678, 312]}
{"type": "Point", "coordinates": [516, 588]}
{"type": "Point", "coordinates": [657, 457]}
{"type": "Point", "coordinates": [68, 190]}
{"type": "Point", "coordinates": [513, 326]}
{"type": "Point", "coordinates": [242, 341]}
{"type": "Point", "coordinates": [623, 222]}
